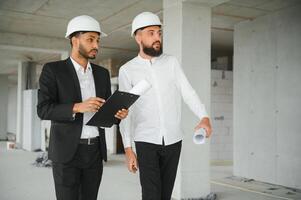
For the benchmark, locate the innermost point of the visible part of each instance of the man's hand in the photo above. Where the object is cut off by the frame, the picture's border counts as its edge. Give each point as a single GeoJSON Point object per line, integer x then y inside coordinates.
{"type": "Point", "coordinates": [90, 105]}
{"type": "Point", "coordinates": [131, 160]}
{"type": "Point", "coordinates": [121, 114]}
{"type": "Point", "coordinates": [205, 123]}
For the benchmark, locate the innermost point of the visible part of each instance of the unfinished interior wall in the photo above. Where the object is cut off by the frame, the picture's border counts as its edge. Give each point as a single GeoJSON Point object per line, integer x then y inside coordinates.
{"type": "Point", "coordinates": [12, 110]}
{"type": "Point", "coordinates": [3, 106]}
{"type": "Point", "coordinates": [221, 148]}
{"type": "Point", "coordinates": [267, 97]}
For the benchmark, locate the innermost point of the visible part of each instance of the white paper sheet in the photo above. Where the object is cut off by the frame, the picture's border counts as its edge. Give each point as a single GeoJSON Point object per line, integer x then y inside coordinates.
{"type": "Point", "coordinates": [140, 88]}
{"type": "Point", "coordinates": [199, 136]}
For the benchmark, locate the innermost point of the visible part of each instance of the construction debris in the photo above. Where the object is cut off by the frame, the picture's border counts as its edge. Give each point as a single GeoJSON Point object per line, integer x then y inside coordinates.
{"type": "Point", "coordinates": [43, 161]}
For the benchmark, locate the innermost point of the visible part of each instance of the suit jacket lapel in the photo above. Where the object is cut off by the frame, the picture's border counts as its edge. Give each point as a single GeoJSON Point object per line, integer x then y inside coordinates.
{"type": "Point", "coordinates": [75, 79]}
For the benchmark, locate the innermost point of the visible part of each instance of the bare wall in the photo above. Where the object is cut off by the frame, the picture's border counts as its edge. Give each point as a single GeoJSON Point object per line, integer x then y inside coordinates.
{"type": "Point", "coordinates": [12, 110]}
{"type": "Point", "coordinates": [267, 98]}
{"type": "Point", "coordinates": [3, 106]}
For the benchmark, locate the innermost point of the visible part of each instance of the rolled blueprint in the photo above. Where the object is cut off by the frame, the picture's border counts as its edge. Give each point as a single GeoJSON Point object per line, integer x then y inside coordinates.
{"type": "Point", "coordinates": [199, 136]}
{"type": "Point", "coordinates": [140, 88]}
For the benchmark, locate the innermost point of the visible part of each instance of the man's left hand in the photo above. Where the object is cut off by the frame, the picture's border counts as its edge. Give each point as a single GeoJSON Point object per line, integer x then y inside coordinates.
{"type": "Point", "coordinates": [121, 114]}
{"type": "Point", "coordinates": [205, 123]}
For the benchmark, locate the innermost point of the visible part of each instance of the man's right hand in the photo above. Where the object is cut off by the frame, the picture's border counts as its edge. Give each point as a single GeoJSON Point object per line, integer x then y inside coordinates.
{"type": "Point", "coordinates": [90, 105]}
{"type": "Point", "coordinates": [131, 160]}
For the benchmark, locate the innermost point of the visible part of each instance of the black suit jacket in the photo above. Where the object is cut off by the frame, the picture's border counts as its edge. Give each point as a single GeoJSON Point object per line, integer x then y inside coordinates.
{"type": "Point", "coordinates": [59, 91]}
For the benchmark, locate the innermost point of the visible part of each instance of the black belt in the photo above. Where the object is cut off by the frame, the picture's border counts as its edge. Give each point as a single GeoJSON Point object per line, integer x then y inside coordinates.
{"type": "Point", "coordinates": [89, 141]}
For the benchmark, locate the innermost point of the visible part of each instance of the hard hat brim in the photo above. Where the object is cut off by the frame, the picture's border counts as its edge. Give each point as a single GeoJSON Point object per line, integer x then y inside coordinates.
{"type": "Point", "coordinates": [133, 34]}
{"type": "Point", "coordinates": [102, 34]}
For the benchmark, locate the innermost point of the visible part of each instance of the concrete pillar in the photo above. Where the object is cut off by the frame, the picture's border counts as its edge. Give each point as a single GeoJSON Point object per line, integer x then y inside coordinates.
{"type": "Point", "coordinates": [31, 76]}
{"type": "Point", "coordinates": [31, 129]}
{"type": "Point", "coordinates": [22, 72]}
{"type": "Point", "coordinates": [3, 106]}
{"type": "Point", "coordinates": [27, 79]}
{"type": "Point", "coordinates": [187, 35]}
{"type": "Point", "coordinates": [12, 109]}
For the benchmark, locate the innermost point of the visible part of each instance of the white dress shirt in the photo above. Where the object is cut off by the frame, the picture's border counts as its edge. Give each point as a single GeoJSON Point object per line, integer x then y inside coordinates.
{"type": "Point", "coordinates": [157, 113]}
{"type": "Point", "coordinates": [87, 88]}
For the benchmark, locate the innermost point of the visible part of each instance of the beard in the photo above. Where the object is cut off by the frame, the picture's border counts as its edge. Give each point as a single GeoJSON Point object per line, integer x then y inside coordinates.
{"type": "Point", "coordinates": [85, 53]}
{"type": "Point", "coordinates": [151, 51]}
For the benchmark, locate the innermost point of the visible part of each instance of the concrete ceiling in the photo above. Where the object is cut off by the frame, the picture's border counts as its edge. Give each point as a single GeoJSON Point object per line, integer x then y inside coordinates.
{"type": "Point", "coordinates": [33, 30]}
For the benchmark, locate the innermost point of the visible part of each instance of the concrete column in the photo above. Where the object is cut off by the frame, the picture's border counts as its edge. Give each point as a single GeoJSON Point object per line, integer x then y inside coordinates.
{"type": "Point", "coordinates": [22, 69]}
{"type": "Point", "coordinates": [31, 76]}
{"type": "Point", "coordinates": [3, 106]}
{"type": "Point", "coordinates": [187, 35]}
{"type": "Point", "coordinates": [12, 109]}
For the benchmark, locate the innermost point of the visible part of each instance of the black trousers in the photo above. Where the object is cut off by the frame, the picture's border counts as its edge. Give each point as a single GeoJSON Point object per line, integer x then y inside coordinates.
{"type": "Point", "coordinates": [80, 178]}
{"type": "Point", "coordinates": [158, 168]}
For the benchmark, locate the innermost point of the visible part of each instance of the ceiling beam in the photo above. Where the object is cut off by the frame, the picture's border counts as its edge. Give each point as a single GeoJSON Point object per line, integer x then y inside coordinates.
{"type": "Point", "coordinates": [232, 16]}
{"type": "Point", "coordinates": [222, 29]}
{"type": "Point", "coordinates": [210, 3]}
{"type": "Point", "coordinates": [41, 44]}
{"type": "Point", "coordinates": [17, 41]}
{"type": "Point", "coordinates": [30, 49]}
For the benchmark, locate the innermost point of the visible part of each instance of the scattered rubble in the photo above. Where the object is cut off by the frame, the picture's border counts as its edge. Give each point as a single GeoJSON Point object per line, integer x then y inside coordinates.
{"type": "Point", "coordinates": [43, 161]}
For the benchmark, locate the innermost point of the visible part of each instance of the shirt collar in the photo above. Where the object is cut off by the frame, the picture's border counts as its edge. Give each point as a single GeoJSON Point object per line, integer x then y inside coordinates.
{"type": "Point", "coordinates": [153, 60]}
{"type": "Point", "coordinates": [78, 67]}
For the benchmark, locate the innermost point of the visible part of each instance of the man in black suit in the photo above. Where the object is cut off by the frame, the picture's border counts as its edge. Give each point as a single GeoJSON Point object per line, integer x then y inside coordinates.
{"type": "Point", "coordinates": [70, 92]}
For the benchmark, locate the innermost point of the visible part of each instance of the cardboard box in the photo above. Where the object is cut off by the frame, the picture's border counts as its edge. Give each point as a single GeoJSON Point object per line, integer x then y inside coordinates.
{"type": "Point", "coordinates": [10, 145]}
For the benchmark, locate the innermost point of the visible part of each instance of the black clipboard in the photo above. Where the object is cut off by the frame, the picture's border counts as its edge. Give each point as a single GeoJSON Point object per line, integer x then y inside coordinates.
{"type": "Point", "coordinates": [105, 117]}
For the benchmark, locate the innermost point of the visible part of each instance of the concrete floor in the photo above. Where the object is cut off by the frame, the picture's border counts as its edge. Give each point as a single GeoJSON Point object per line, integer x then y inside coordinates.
{"type": "Point", "coordinates": [20, 180]}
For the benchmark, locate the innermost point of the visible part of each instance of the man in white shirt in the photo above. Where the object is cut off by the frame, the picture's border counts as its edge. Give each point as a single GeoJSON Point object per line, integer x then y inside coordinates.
{"type": "Point", "coordinates": [154, 121]}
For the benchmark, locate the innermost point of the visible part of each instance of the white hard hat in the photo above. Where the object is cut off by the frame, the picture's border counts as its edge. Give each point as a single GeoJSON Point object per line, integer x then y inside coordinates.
{"type": "Point", "coordinates": [145, 19]}
{"type": "Point", "coordinates": [83, 23]}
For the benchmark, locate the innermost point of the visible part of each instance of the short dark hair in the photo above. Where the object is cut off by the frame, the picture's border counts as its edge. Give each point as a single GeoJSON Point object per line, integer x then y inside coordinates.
{"type": "Point", "coordinates": [139, 29]}
{"type": "Point", "coordinates": [76, 34]}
